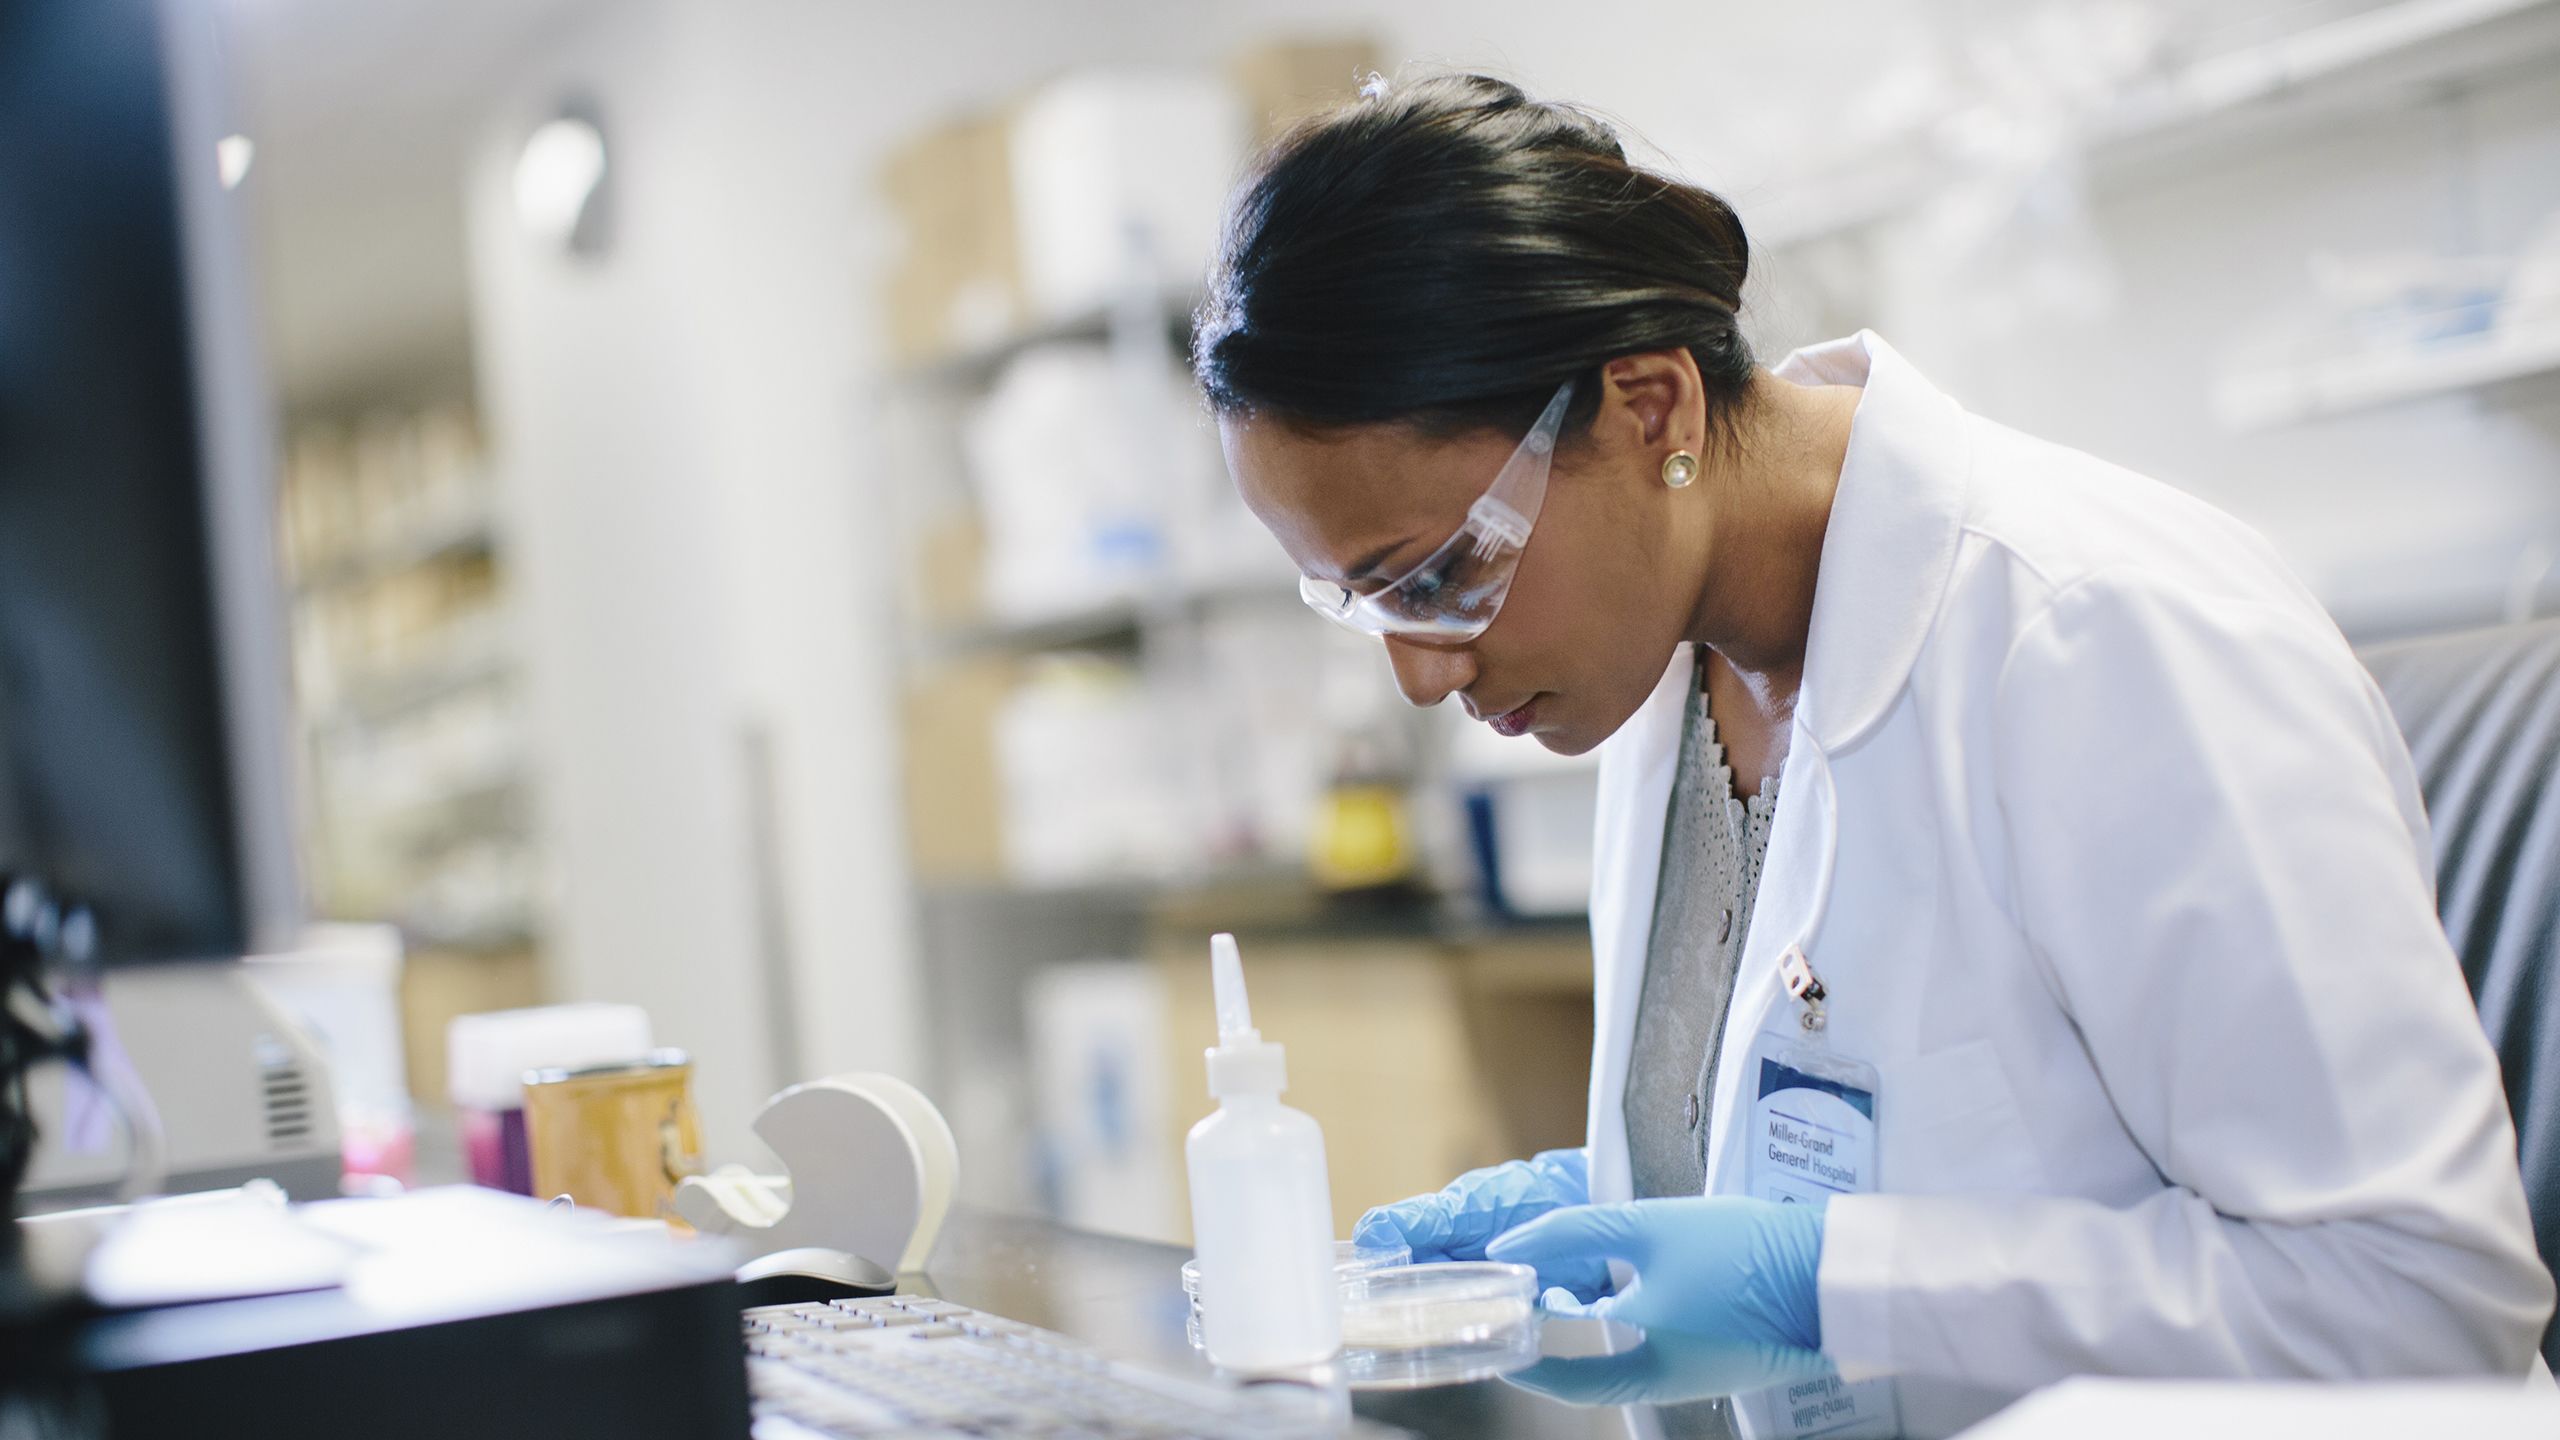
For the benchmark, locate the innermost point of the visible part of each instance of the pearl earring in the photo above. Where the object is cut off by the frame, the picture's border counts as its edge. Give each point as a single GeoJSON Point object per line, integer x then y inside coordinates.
{"type": "Point", "coordinates": [1679, 469]}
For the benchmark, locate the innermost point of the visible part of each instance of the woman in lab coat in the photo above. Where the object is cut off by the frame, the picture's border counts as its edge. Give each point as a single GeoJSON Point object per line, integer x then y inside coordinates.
{"type": "Point", "coordinates": [2024, 812]}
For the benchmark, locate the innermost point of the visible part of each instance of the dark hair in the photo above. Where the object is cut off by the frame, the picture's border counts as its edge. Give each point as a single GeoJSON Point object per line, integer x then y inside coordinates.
{"type": "Point", "coordinates": [1445, 252]}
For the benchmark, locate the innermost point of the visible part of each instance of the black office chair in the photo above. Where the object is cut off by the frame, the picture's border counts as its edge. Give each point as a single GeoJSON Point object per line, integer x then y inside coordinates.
{"type": "Point", "coordinates": [2481, 711]}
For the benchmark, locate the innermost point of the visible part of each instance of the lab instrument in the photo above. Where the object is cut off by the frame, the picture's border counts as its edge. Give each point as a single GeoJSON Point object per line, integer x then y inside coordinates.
{"type": "Point", "coordinates": [1261, 1209]}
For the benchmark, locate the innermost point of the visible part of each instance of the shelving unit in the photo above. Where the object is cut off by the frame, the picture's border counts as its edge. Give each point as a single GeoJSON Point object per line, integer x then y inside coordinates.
{"type": "Point", "coordinates": [974, 367]}
{"type": "Point", "coordinates": [473, 654]}
{"type": "Point", "coordinates": [468, 531]}
{"type": "Point", "coordinates": [417, 782]}
{"type": "Point", "coordinates": [1154, 630]}
{"type": "Point", "coordinates": [1162, 626]}
{"type": "Point", "coordinates": [2343, 383]}
{"type": "Point", "coordinates": [2380, 57]}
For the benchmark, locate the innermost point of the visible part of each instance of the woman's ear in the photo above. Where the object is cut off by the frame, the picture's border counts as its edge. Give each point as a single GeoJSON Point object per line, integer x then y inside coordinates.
{"type": "Point", "coordinates": [1643, 399]}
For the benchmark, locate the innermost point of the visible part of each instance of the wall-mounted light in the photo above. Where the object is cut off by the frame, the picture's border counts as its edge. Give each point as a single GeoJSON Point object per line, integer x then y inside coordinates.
{"type": "Point", "coordinates": [563, 182]}
{"type": "Point", "coordinates": [232, 155]}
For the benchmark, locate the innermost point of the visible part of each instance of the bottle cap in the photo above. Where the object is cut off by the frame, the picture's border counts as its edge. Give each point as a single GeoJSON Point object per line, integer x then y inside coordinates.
{"type": "Point", "coordinates": [1252, 1068]}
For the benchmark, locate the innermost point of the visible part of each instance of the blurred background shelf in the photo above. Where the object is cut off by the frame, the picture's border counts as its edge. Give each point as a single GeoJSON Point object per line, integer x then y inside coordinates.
{"type": "Point", "coordinates": [975, 365]}
{"type": "Point", "coordinates": [466, 533]}
{"type": "Point", "coordinates": [1112, 624]}
{"type": "Point", "coordinates": [417, 775]}
{"type": "Point", "coordinates": [2170, 111]}
{"type": "Point", "coordinates": [1272, 900]}
{"type": "Point", "coordinates": [471, 655]}
{"type": "Point", "coordinates": [2347, 382]}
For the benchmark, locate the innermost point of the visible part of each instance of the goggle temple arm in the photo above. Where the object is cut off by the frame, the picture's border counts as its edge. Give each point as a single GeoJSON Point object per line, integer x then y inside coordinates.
{"type": "Point", "coordinates": [1509, 506]}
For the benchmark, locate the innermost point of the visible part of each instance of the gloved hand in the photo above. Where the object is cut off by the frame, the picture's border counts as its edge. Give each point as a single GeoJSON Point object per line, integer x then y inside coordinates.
{"type": "Point", "coordinates": [1717, 1266]}
{"type": "Point", "coordinates": [1455, 1221]}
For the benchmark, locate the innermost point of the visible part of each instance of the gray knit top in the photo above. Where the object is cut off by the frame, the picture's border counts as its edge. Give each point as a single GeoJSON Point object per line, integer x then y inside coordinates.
{"type": "Point", "coordinates": [1713, 844]}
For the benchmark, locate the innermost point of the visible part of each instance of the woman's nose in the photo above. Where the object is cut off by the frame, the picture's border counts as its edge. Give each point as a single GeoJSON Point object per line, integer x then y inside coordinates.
{"type": "Point", "coordinates": [1428, 673]}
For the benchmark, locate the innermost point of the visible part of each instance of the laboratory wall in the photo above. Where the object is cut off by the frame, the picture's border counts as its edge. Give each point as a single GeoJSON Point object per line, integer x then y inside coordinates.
{"type": "Point", "coordinates": [896, 683]}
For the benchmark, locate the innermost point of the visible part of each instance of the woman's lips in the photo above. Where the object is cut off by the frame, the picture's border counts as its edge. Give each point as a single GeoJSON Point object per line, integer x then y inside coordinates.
{"type": "Point", "coordinates": [1514, 722]}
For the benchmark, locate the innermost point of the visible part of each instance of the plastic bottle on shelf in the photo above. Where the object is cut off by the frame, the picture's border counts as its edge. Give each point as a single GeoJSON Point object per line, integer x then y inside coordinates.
{"type": "Point", "coordinates": [1261, 1208]}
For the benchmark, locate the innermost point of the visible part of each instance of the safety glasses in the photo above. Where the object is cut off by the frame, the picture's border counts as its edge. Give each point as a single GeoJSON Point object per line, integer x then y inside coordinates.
{"type": "Point", "coordinates": [1453, 596]}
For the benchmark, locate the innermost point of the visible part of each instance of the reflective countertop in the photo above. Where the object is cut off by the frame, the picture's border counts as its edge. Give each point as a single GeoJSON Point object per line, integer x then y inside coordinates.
{"type": "Point", "coordinates": [1124, 1297]}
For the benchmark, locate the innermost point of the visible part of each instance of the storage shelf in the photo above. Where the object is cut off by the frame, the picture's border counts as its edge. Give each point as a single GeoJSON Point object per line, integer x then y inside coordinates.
{"type": "Point", "coordinates": [493, 807]}
{"type": "Point", "coordinates": [496, 936]}
{"type": "Point", "coordinates": [2365, 61]}
{"type": "Point", "coordinates": [977, 365]}
{"type": "Point", "coordinates": [2263, 399]}
{"type": "Point", "coordinates": [471, 531]}
{"type": "Point", "coordinates": [1272, 899]}
{"type": "Point", "coordinates": [1241, 880]}
{"type": "Point", "coordinates": [478, 655]}
{"type": "Point", "coordinates": [1110, 624]}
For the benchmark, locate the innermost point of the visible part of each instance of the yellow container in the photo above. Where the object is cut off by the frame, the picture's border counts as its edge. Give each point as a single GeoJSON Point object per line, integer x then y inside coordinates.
{"type": "Point", "coordinates": [614, 1137]}
{"type": "Point", "coordinates": [1359, 838]}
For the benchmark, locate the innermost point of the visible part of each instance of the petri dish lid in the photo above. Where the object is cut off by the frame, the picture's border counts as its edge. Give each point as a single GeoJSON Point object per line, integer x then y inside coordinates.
{"type": "Point", "coordinates": [1447, 1303]}
{"type": "Point", "coordinates": [1351, 1260]}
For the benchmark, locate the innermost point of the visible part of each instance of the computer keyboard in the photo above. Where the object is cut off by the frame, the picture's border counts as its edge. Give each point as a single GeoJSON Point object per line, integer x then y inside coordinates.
{"type": "Point", "coordinates": [904, 1365]}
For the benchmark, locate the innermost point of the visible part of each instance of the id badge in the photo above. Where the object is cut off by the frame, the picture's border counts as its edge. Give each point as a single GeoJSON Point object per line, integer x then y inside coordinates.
{"type": "Point", "coordinates": [1813, 1123]}
{"type": "Point", "coordinates": [1812, 1117]}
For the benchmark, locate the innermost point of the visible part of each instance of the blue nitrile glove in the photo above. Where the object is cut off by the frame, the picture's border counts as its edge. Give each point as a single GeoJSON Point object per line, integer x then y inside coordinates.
{"type": "Point", "coordinates": [1669, 1368]}
{"type": "Point", "coordinates": [1718, 1266]}
{"type": "Point", "coordinates": [1455, 1221]}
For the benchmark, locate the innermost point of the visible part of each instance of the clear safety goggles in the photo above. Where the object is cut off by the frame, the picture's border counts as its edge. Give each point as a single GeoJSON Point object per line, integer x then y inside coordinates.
{"type": "Point", "coordinates": [1452, 596]}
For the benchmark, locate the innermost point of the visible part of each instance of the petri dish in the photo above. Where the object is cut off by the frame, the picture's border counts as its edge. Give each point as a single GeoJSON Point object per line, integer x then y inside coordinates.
{"type": "Point", "coordinates": [1351, 1261]}
{"type": "Point", "coordinates": [1428, 1367]}
{"type": "Point", "coordinates": [1409, 1327]}
{"type": "Point", "coordinates": [1447, 1304]}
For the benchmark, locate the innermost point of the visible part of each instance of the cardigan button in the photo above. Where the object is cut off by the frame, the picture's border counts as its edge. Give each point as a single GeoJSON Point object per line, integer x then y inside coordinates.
{"type": "Point", "coordinates": [1724, 931]}
{"type": "Point", "coordinates": [1689, 1110]}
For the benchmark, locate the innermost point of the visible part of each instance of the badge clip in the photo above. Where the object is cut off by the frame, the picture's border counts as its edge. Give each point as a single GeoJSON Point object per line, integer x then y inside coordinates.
{"type": "Point", "coordinates": [1804, 985]}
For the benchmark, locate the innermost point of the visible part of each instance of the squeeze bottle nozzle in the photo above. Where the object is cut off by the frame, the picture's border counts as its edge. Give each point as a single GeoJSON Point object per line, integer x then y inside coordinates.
{"type": "Point", "coordinates": [1242, 1062]}
{"type": "Point", "coordinates": [1226, 981]}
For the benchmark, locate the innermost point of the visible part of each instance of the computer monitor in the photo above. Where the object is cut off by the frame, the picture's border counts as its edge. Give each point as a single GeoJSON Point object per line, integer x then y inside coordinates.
{"type": "Point", "coordinates": [143, 740]}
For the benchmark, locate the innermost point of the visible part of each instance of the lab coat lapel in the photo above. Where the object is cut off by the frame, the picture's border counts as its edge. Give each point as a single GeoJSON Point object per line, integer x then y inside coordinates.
{"type": "Point", "coordinates": [1887, 553]}
{"type": "Point", "coordinates": [1788, 907]}
{"type": "Point", "coordinates": [1636, 771]}
{"type": "Point", "coordinates": [1896, 523]}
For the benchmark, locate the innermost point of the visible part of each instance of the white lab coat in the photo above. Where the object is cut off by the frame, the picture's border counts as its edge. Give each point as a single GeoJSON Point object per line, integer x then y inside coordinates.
{"type": "Point", "coordinates": [2115, 867]}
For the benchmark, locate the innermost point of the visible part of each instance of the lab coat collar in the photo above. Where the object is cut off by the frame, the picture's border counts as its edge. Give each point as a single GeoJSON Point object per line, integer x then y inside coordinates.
{"type": "Point", "coordinates": [1891, 543]}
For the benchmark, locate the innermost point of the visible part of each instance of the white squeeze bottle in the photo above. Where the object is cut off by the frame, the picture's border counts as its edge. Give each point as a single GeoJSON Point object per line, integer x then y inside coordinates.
{"type": "Point", "coordinates": [1261, 1210]}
